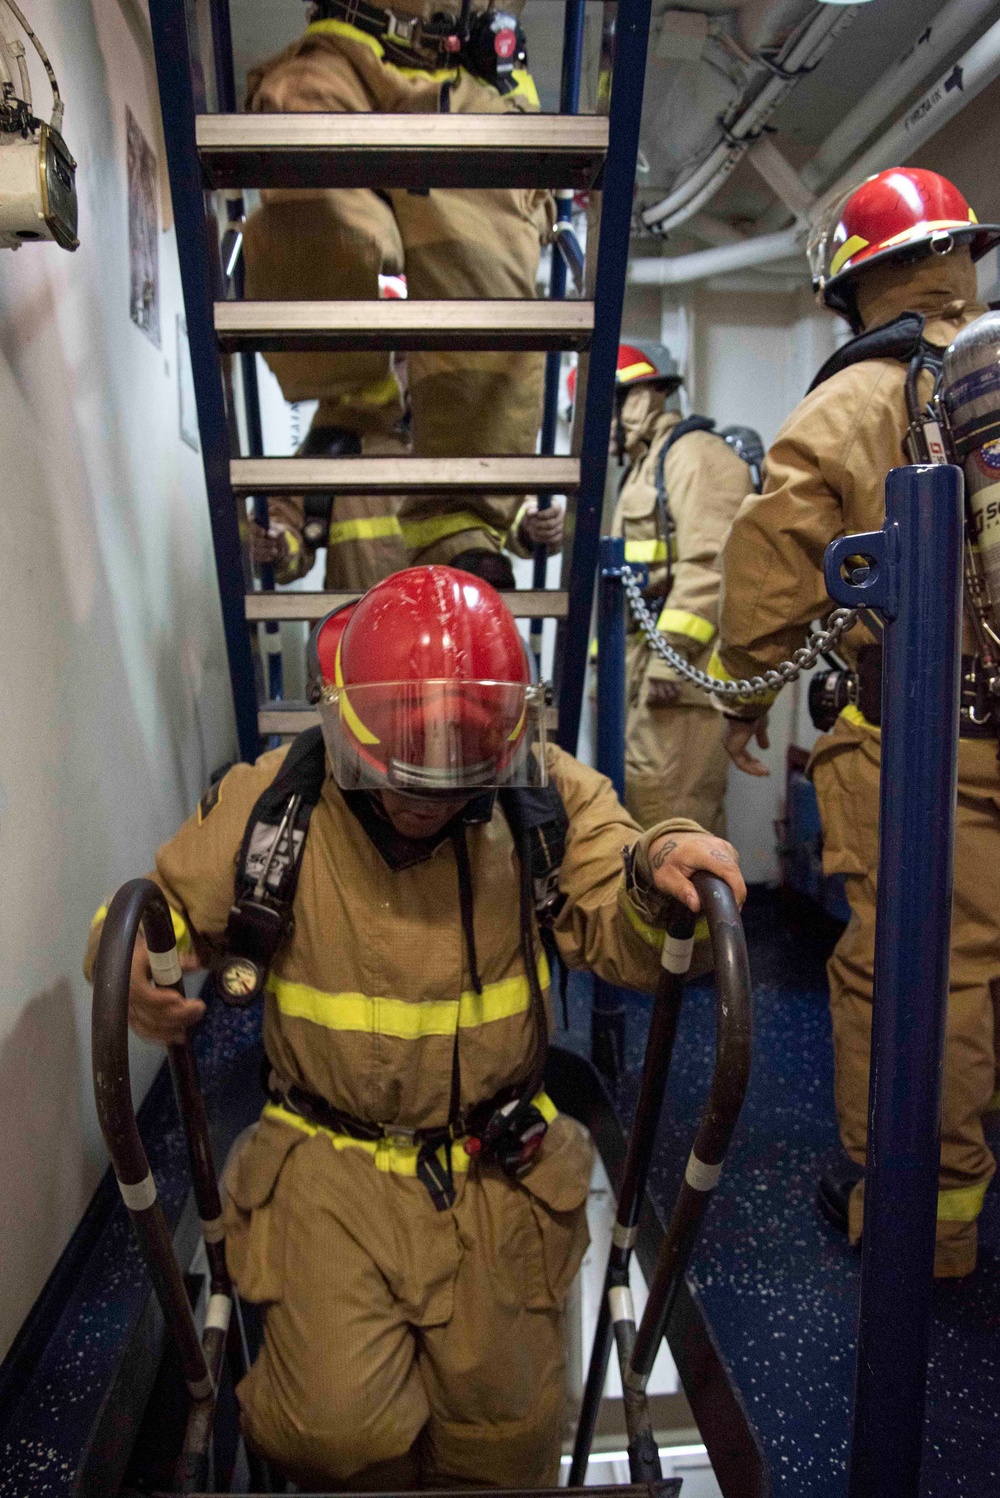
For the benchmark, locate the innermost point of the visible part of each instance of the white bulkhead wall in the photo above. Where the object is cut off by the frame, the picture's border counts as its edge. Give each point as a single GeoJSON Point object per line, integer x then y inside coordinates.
{"type": "Point", "coordinates": [116, 701]}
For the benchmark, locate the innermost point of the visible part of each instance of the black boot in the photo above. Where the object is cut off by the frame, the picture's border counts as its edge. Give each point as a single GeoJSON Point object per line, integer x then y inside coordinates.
{"type": "Point", "coordinates": [834, 1191]}
{"type": "Point", "coordinates": [324, 442]}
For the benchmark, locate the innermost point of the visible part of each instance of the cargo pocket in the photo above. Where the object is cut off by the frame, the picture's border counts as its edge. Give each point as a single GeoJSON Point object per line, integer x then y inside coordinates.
{"type": "Point", "coordinates": [845, 773]}
{"type": "Point", "coordinates": [255, 1227]}
{"type": "Point", "coordinates": [555, 1234]}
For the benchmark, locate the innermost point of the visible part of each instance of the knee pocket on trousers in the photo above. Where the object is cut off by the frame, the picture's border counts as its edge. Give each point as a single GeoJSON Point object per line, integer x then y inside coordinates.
{"type": "Point", "coordinates": [846, 782]}
{"type": "Point", "coordinates": [549, 1234]}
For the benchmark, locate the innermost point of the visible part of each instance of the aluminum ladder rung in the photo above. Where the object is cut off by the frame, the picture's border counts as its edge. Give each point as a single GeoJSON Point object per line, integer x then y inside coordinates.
{"type": "Point", "coordinates": [527, 475]}
{"type": "Point", "coordinates": [527, 603]}
{"type": "Point", "coordinates": [286, 719]}
{"type": "Point", "coordinates": [401, 150]}
{"type": "Point", "coordinates": [307, 327]}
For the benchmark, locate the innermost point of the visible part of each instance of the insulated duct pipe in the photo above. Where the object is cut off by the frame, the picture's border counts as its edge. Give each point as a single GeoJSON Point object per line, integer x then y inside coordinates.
{"type": "Point", "coordinates": [705, 181]}
{"type": "Point", "coordinates": [680, 269]}
{"type": "Point", "coordinates": [946, 30]}
{"type": "Point", "coordinates": [943, 100]}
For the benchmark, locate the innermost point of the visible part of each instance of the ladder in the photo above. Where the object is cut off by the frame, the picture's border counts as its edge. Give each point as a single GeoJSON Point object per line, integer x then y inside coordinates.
{"type": "Point", "coordinates": [212, 150]}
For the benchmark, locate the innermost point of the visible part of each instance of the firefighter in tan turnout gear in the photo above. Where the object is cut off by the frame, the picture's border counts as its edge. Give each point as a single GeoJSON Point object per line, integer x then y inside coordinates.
{"type": "Point", "coordinates": [680, 494]}
{"type": "Point", "coordinates": [898, 265]}
{"type": "Point", "coordinates": [333, 244]}
{"type": "Point", "coordinates": [410, 1208]}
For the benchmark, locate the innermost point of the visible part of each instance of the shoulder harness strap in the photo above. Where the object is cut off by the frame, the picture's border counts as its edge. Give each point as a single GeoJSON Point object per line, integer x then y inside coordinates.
{"type": "Point", "coordinates": [666, 520]}
{"type": "Point", "coordinates": [899, 339]}
{"type": "Point", "coordinates": [267, 869]}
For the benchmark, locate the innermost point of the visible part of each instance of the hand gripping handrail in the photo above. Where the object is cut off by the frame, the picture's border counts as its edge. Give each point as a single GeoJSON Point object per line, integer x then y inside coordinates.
{"type": "Point", "coordinates": [140, 902]}
{"type": "Point", "coordinates": [637, 1349]}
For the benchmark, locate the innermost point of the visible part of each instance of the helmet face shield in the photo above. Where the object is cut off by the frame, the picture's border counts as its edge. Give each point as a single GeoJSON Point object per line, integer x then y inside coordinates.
{"type": "Point", "coordinates": [435, 737]}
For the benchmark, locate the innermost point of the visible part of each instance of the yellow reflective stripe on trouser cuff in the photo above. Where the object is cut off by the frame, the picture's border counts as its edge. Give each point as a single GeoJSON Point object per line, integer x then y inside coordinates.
{"type": "Point", "coordinates": [653, 935]}
{"type": "Point", "coordinates": [363, 530]}
{"type": "Point", "coordinates": [645, 551]}
{"type": "Point", "coordinates": [399, 1019]}
{"type": "Point", "coordinates": [680, 622]}
{"type": "Point", "coordinates": [182, 935]}
{"type": "Point", "coordinates": [420, 533]}
{"type": "Point", "coordinates": [962, 1203]}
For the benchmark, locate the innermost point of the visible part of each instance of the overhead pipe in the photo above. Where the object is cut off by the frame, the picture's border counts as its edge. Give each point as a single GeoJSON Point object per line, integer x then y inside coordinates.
{"type": "Point", "coordinates": [956, 21]}
{"type": "Point", "coordinates": [702, 184]}
{"type": "Point", "coordinates": [680, 270]}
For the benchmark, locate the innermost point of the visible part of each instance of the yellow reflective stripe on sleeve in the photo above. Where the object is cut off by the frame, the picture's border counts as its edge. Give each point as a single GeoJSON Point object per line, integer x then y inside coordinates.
{"type": "Point", "coordinates": [852, 714]}
{"type": "Point", "coordinates": [420, 533]}
{"type": "Point", "coordinates": [717, 669]}
{"type": "Point", "coordinates": [653, 935]}
{"type": "Point", "coordinates": [293, 543]}
{"type": "Point", "coordinates": [962, 1203]}
{"type": "Point", "coordinates": [343, 28]}
{"type": "Point", "coordinates": [680, 622]}
{"type": "Point", "coordinates": [524, 88]}
{"type": "Point", "coordinates": [646, 551]}
{"type": "Point", "coordinates": [182, 935]}
{"type": "Point", "coordinates": [363, 530]}
{"type": "Point", "coordinates": [357, 1013]}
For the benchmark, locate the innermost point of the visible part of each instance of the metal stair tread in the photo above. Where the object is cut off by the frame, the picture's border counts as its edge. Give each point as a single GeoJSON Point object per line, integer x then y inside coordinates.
{"type": "Point", "coordinates": [523, 324]}
{"type": "Point", "coordinates": [514, 475]}
{"type": "Point", "coordinates": [294, 604]}
{"type": "Point", "coordinates": [401, 150]}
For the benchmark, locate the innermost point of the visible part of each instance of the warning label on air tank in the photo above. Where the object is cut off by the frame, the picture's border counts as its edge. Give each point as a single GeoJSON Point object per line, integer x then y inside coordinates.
{"type": "Point", "coordinates": [987, 459]}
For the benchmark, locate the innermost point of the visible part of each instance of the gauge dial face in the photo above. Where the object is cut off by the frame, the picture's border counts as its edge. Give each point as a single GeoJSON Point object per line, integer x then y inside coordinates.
{"type": "Point", "coordinates": [238, 979]}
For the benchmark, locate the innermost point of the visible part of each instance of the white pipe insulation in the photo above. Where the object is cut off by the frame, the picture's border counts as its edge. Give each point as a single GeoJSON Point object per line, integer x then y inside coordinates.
{"type": "Point", "coordinates": [705, 181]}
{"type": "Point", "coordinates": [957, 20]}
{"type": "Point", "coordinates": [946, 98]}
{"type": "Point", "coordinates": [676, 270]}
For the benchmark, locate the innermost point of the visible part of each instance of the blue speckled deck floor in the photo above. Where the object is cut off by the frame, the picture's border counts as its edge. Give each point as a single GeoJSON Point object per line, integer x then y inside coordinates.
{"type": "Point", "coordinates": [778, 1284]}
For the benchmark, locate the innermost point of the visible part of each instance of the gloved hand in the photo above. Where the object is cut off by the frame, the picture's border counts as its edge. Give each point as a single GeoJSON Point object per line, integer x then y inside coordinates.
{"type": "Point", "coordinates": [675, 856]}
{"type": "Point", "coordinates": [268, 548]}
{"type": "Point", "coordinates": [543, 527]}
{"type": "Point", "coordinates": [738, 734]}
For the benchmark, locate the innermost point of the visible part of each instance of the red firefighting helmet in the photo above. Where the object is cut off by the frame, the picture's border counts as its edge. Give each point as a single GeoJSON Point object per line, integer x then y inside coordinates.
{"type": "Point", "coordinates": [430, 691]}
{"type": "Point", "coordinates": [321, 651]}
{"type": "Point", "coordinates": [646, 364]}
{"type": "Point", "coordinates": [904, 212]}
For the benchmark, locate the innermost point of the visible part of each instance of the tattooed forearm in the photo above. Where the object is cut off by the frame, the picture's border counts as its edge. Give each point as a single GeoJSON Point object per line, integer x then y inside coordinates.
{"type": "Point", "coordinates": [661, 852]}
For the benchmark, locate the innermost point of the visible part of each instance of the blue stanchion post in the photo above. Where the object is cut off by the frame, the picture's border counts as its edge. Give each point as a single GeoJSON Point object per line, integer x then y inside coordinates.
{"type": "Point", "coordinates": [607, 1036]}
{"type": "Point", "coordinates": [618, 186]}
{"type": "Point", "coordinates": [915, 583]}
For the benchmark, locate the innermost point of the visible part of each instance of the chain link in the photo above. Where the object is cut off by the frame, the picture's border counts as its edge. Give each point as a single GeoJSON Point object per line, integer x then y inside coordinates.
{"type": "Point", "coordinates": [839, 622]}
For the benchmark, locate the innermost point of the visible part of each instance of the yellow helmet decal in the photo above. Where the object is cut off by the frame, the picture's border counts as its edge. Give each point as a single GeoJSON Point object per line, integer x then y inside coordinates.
{"type": "Point", "coordinates": [361, 733]}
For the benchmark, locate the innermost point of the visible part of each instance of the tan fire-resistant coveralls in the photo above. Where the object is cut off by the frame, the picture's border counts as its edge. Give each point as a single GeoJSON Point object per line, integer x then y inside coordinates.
{"type": "Point", "coordinates": [329, 245]}
{"type": "Point", "coordinates": [673, 755]}
{"type": "Point", "coordinates": [826, 477]}
{"type": "Point", "coordinates": [385, 1319]}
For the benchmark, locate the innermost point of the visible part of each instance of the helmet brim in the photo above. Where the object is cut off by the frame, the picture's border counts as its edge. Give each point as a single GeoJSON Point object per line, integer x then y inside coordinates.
{"type": "Point", "coordinates": [838, 293]}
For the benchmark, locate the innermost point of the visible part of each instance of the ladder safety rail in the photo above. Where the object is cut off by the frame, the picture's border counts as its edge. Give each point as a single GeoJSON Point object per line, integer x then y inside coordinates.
{"type": "Point", "coordinates": [141, 904]}
{"type": "Point", "coordinates": [914, 581]}
{"type": "Point", "coordinates": [631, 35]}
{"type": "Point", "coordinates": [638, 1346]}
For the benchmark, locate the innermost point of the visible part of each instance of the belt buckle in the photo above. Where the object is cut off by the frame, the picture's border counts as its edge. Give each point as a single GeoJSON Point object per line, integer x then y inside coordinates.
{"type": "Point", "coordinates": [399, 29]}
{"type": "Point", "coordinates": [396, 1137]}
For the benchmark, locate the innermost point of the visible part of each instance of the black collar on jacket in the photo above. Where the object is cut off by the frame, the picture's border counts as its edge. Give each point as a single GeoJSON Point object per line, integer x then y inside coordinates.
{"type": "Point", "coordinates": [401, 852]}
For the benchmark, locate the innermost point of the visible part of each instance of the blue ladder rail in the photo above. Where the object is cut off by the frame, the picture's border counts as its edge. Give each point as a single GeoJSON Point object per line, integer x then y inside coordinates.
{"type": "Point", "coordinates": [181, 77]}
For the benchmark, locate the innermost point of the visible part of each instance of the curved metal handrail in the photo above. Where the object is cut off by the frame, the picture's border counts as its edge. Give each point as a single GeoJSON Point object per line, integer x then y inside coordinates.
{"type": "Point", "coordinates": [140, 903]}
{"type": "Point", "coordinates": [637, 1349]}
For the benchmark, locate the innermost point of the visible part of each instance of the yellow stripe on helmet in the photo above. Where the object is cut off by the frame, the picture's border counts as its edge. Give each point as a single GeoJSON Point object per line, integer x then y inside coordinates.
{"type": "Point", "coordinates": [635, 371]}
{"type": "Point", "coordinates": [361, 733]}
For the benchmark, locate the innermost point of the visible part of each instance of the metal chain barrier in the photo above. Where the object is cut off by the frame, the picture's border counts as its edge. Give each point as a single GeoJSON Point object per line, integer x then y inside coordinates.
{"type": "Point", "coordinates": [839, 622]}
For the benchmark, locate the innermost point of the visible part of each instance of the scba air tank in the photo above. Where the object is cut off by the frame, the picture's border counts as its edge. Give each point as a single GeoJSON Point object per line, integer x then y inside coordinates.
{"type": "Point", "coordinates": [970, 395]}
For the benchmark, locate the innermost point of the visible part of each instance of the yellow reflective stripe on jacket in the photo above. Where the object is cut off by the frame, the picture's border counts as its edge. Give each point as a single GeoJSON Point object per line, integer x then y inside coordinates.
{"type": "Point", "coordinates": [717, 669]}
{"type": "Point", "coordinates": [363, 530]}
{"type": "Point", "coordinates": [524, 84]}
{"type": "Point", "coordinates": [852, 714]}
{"type": "Point", "coordinates": [961, 1203]}
{"type": "Point", "coordinates": [648, 551]}
{"type": "Point", "coordinates": [420, 533]}
{"type": "Point", "coordinates": [357, 1013]}
{"type": "Point", "coordinates": [182, 935]}
{"type": "Point", "coordinates": [653, 935]}
{"type": "Point", "coordinates": [680, 622]}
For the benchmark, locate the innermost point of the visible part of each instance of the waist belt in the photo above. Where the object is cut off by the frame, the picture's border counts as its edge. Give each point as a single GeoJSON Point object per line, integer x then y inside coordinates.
{"type": "Point", "coordinates": [491, 48]}
{"type": "Point", "coordinates": [978, 716]}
